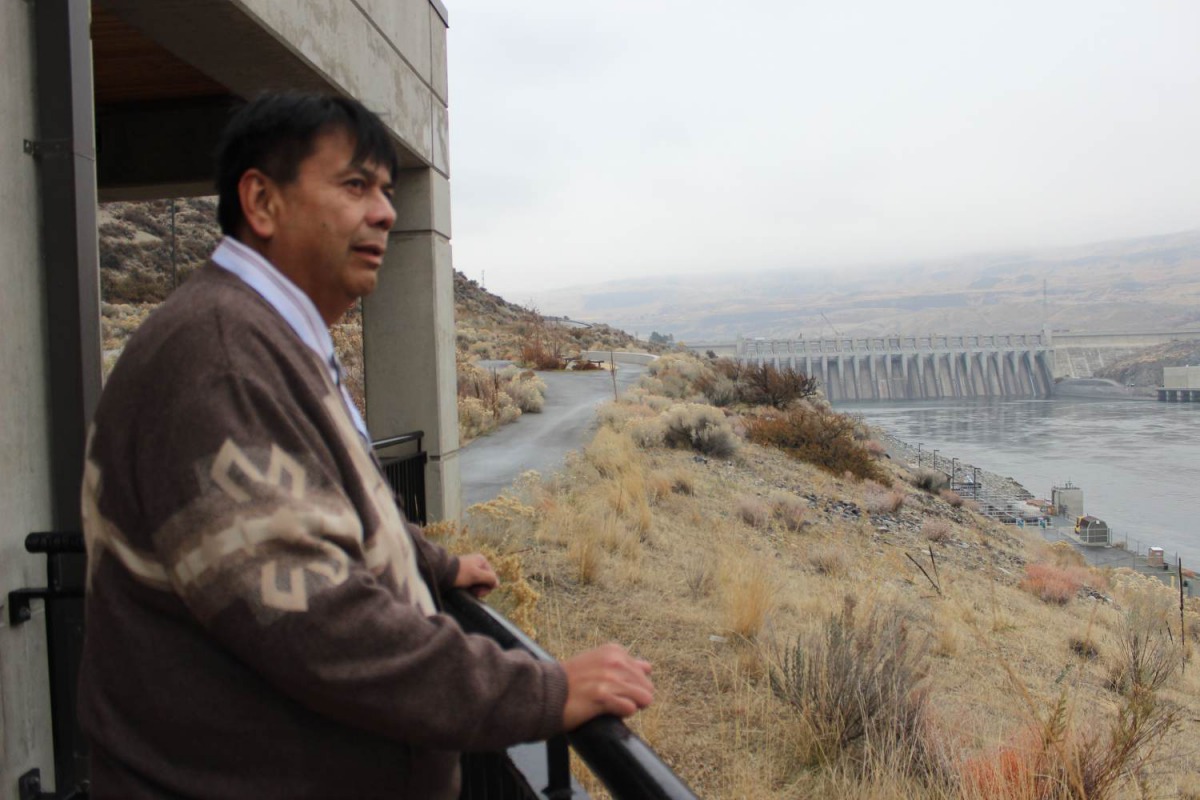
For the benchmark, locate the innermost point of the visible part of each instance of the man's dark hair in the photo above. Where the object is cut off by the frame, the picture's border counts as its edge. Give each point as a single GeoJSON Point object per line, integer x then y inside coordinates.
{"type": "Point", "coordinates": [278, 130]}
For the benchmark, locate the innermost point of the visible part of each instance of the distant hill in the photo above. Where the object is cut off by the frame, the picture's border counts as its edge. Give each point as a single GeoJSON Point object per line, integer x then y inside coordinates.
{"type": "Point", "coordinates": [1121, 285]}
{"type": "Point", "coordinates": [139, 267]}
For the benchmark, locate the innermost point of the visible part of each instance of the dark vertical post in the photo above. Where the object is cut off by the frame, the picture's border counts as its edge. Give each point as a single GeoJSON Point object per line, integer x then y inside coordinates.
{"type": "Point", "coordinates": [174, 270]}
{"type": "Point", "coordinates": [66, 156]}
{"type": "Point", "coordinates": [1182, 623]}
{"type": "Point", "coordinates": [558, 758]}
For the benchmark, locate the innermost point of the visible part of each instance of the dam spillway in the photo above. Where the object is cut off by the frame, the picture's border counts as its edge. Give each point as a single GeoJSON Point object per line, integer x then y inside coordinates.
{"type": "Point", "coordinates": [915, 367]}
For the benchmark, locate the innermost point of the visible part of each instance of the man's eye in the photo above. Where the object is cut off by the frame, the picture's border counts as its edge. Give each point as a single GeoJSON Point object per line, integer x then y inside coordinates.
{"type": "Point", "coordinates": [357, 184]}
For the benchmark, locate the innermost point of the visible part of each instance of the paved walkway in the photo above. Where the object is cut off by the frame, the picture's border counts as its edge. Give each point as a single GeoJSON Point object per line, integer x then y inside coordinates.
{"type": "Point", "coordinates": [491, 463]}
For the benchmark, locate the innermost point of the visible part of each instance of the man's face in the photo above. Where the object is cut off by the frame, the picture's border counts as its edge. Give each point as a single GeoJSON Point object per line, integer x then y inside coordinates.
{"type": "Point", "coordinates": [332, 223]}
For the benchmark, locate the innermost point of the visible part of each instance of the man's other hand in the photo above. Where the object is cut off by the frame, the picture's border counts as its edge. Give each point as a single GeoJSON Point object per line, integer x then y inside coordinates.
{"type": "Point", "coordinates": [476, 575]}
{"type": "Point", "coordinates": [606, 680]}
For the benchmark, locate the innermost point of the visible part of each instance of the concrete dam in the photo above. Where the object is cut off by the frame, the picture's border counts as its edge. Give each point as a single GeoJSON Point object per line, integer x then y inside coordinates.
{"type": "Point", "coordinates": [916, 367]}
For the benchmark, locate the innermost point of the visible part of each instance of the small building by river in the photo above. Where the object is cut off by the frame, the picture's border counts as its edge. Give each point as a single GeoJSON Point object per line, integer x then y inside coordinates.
{"type": "Point", "coordinates": [1180, 385]}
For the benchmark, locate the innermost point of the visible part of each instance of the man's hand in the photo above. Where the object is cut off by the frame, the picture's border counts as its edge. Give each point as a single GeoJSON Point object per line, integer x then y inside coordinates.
{"type": "Point", "coordinates": [475, 575]}
{"type": "Point", "coordinates": [606, 680]}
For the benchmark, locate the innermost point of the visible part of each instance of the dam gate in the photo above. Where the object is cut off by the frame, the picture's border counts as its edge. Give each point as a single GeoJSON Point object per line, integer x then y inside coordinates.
{"type": "Point", "coordinates": [915, 367]}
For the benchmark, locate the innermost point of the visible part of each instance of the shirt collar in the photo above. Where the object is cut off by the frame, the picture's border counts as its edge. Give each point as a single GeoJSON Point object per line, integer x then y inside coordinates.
{"type": "Point", "coordinates": [296, 308]}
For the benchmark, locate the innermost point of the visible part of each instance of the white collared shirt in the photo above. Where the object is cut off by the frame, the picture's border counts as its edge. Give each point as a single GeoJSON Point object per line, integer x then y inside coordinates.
{"type": "Point", "coordinates": [296, 308]}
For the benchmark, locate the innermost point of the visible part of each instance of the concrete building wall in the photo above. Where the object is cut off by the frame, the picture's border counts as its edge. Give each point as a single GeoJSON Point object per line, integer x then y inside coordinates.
{"type": "Point", "coordinates": [380, 51]}
{"type": "Point", "coordinates": [1181, 377]}
{"type": "Point", "coordinates": [388, 53]}
{"type": "Point", "coordinates": [25, 737]}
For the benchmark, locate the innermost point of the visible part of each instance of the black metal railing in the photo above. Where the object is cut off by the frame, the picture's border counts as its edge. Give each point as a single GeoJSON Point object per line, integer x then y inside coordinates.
{"type": "Point", "coordinates": [406, 473]}
{"type": "Point", "coordinates": [63, 597]}
{"type": "Point", "coordinates": [627, 766]}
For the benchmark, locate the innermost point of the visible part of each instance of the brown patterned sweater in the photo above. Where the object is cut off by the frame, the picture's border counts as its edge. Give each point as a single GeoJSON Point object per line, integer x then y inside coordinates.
{"type": "Point", "coordinates": [257, 625]}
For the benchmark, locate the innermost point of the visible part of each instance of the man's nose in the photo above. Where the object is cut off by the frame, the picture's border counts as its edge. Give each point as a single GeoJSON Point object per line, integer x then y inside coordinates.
{"type": "Point", "coordinates": [382, 214]}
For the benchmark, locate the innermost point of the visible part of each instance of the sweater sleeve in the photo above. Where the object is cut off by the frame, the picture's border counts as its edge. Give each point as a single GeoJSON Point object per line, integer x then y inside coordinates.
{"type": "Point", "coordinates": [442, 565]}
{"type": "Point", "coordinates": [266, 550]}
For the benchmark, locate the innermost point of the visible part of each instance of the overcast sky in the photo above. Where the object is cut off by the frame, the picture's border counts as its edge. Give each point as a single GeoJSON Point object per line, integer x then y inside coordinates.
{"type": "Point", "coordinates": [594, 140]}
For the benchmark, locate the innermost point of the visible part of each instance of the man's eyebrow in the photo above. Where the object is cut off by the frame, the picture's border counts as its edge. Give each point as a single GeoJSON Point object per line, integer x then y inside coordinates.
{"type": "Point", "coordinates": [371, 174]}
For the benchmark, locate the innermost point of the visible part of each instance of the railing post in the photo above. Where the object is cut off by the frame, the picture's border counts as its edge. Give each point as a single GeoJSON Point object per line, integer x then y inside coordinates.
{"type": "Point", "coordinates": [558, 764]}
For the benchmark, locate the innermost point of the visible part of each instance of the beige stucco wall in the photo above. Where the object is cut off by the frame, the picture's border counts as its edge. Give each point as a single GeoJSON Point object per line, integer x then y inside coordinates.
{"type": "Point", "coordinates": [25, 737]}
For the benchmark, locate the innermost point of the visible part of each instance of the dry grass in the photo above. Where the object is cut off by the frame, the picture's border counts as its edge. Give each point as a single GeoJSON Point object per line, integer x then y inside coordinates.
{"type": "Point", "coordinates": [754, 512]}
{"type": "Point", "coordinates": [748, 593]}
{"type": "Point", "coordinates": [705, 596]}
{"type": "Point", "coordinates": [884, 501]}
{"type": "Point", "coordinates": [1050, 583]}
{"type": "Point", "coordinates": [952, 497]}
{"type": "Point", "coordinates": [788, 511]}
{"type": "Point", "coordinates": [829, 559]}
{"type": "Point", "coordinates": [936, 530]}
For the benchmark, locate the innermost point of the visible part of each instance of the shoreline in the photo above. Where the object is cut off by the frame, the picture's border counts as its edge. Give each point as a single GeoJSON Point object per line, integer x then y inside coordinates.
{"type": "Point", "coordinates": [1061, 530]}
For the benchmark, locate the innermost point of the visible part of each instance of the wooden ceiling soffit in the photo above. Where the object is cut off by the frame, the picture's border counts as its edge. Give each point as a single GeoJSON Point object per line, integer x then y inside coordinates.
{"type": "Point", "coordinates": [219, 40]}
{"type": "Point", "coordinates": [130, 67]}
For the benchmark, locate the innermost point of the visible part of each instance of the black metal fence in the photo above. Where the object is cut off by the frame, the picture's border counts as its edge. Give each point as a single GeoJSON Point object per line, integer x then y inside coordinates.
{"type": "Point", "coordinates": [405, 473]}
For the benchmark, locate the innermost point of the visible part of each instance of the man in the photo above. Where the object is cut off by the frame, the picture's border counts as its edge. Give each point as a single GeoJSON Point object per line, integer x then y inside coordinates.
{"type": "Point", "coordinates": [261, 621]}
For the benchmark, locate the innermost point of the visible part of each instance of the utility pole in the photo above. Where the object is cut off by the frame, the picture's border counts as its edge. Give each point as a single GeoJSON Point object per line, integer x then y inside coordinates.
{"type": "Point", "coordinates": [918, 455]}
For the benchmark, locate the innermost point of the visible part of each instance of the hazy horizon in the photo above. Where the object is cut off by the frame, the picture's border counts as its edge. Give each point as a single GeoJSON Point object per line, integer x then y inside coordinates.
{"type": "Point", "coordinates": [601, 141]}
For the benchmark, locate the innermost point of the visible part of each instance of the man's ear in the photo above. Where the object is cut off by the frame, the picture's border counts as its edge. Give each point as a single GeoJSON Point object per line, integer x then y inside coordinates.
{"type": "Point", "coordinates": [259, 196]}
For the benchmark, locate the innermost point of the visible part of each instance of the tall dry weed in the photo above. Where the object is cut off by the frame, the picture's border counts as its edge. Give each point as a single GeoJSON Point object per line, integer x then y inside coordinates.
{"type": "Point", "coordinates": [1146, 653]}
{"type": "Point", "coordinates": [748, 594]}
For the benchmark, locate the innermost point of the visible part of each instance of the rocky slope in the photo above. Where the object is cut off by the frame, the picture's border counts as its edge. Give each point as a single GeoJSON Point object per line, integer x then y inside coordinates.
{"type": "Point", "coordinates": [1145, 367]}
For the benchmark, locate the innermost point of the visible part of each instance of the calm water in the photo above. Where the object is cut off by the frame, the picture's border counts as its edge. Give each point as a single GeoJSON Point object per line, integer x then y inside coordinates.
{"type": "Point", "coordinates": [1138, 462]}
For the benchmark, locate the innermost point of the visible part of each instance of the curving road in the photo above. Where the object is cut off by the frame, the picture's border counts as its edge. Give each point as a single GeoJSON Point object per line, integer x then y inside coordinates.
{"type": "Point", "coordinates": [540, 441]}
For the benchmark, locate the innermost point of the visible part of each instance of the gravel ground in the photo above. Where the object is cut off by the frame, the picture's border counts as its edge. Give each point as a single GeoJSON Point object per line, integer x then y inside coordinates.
{"type": "Point", "coordinates": [907, 454]}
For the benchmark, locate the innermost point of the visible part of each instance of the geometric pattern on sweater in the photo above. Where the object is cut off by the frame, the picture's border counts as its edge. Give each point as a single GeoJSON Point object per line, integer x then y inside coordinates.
{"type": "Point", "coordinates": [251, 487]}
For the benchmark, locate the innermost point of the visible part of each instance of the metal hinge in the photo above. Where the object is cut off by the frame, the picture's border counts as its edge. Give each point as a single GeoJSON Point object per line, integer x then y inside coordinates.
{"type": "Point", "coordinates": [29, 787]}
{"type": "Point", "coordinates": [47, 147]}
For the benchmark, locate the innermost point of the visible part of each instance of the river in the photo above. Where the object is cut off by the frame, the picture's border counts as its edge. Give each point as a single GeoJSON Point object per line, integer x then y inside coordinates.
{"type": "Point", "coordinates": [1138, 462]}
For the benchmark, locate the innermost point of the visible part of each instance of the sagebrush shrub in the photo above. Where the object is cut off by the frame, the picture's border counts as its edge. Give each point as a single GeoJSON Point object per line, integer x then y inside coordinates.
{"type": "Point", "coordinates": [931, 480]}
{"type": "Point", "coordinates": [1146, 653]}
{"type": "Point", "coordinates": [698, 427]}
{"type": "Point", "coordinates": [857, 680]}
